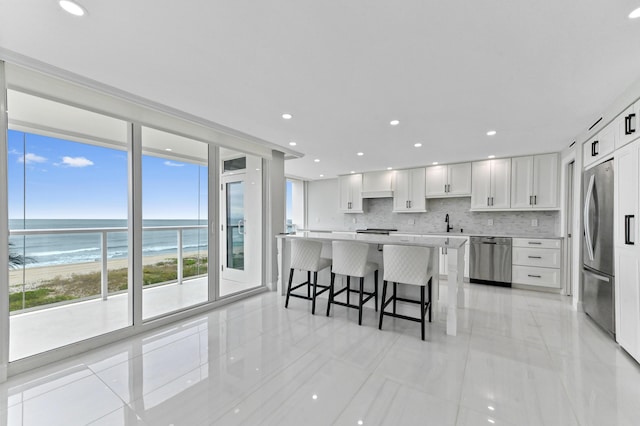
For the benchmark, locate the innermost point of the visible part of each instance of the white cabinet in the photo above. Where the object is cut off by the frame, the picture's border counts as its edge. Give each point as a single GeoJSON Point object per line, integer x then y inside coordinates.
{"type": "Point", "coordinates": [627, 248]}
{"type": "Point", "coordinates": [600, 146]}
{"type": "Point", "coordinates": [377, 184]}
{"type": "Point", "coordinates": [627, 125]}
{"type": "Point", "coordinates": [408, 191]}
{"type": "Point", "coordinates": [451, 180]}
{"type": "Point", "coordinates": [534, 182]}
{"type": "Point", "coordinates": [537, 262]}
{"type": "Point", "coordinates": [351, 193]}
{"type": "Point", "coordinates": [491, 184]}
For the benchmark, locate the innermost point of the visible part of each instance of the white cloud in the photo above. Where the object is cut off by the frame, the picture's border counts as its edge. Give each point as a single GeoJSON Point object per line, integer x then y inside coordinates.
{"type": "Point", "coordinates": [75, 162]}
{"type": "Point", "coordinates": [172, 164]}
{"type": "Point", "coordinates": [30, 158]}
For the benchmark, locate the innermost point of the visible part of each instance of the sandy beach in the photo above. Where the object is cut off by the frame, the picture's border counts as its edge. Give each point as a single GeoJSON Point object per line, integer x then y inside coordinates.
{"type": "Point", "coordinates": [34, 275]}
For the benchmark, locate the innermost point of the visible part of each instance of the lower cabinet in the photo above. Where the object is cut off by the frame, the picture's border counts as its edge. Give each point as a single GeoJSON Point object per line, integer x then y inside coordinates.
{"type": "Point", "coordinates": [537, 262]}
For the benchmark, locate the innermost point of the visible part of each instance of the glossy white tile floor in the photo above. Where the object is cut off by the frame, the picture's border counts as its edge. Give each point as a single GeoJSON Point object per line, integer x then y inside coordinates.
{"type": "Point", "coordinates": [521, 358]}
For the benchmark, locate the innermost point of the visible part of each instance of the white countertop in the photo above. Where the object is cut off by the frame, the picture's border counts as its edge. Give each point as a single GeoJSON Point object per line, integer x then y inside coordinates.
{"type": "Point", "coordinates": [444, 234]}
{"type": "Point", "coordinates": [453, 242]}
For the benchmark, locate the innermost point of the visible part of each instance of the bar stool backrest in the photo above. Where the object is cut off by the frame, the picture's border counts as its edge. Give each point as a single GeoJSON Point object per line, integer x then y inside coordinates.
{"type": "Point", "coordinates": [349, 258]}
{"type": "Point", "coordinates": [406, 264]}
{"type": "Point", "coordinates": [305, 255]}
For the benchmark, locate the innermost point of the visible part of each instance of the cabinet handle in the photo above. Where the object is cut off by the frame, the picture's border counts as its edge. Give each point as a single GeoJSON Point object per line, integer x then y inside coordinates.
{"type": "Point", "coordinates": [491, 201]}
{"type": "Point", "coordinates": [535, 200]}
{"type": "Point", "coordinates": [488, 201]}
{"type": "Point", "coordinates": [534, 257]}
{"type": "Point", "coordinates": [406, 204]}
{"type": "Point", "coordinates": [445, 187]}
{"type": "Point", "coordinates": [409, 203]}
{"type": "Point", "coordinates": [535, 242]}
{"type": "Point", "coordinates": [626, 124]}
{"type": "Point", "coordinates": [627, 229]}
{"type": "Point", "coordinates": [530, 199]}
{"type": "Point", "coordinates": [631, 117]}
{"type": "Point", "coordinates": [594, 148]}
{"type": "Point", "coordinates": [534, 276]}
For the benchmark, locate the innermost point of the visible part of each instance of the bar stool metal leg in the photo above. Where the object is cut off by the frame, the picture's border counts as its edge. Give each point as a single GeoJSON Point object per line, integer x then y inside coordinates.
{"type": "Point", "coordinates": [333, 278]}
{"type": "Point", "coordinates": [286, 303]}
{"type": "Point", "coordinates": [383, 304]}
{"type": "Point", "coordinates": [313, 302]}
{"type": "Point", "coordinates": [375, 299]}
{"type": "Point", "coordinates": [360, 301]}
{"type": "Point", "coordinates": [348, 288]}
{"type": "Point", "coordinates": [308, 283]}
{"type": "Point", "coordinates": [395, 288]}
{"type": "Point", "coordinates": [422, 310]}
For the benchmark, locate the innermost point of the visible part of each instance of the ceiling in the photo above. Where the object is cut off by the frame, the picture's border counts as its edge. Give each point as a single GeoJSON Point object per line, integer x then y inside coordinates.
{"type": "Point", "coordinates": [538, 72]}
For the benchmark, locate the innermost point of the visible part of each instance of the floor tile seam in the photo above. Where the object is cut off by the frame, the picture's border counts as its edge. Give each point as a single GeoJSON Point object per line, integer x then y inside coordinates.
{"type": "Point", "coordinates": [542, 345]}
{"type": "Point", "coordinates": [357, 392]}
{"type": "Point", "coordinates": [23, 399]}
{"type": "Point", "coordinates": [126, 407]}
{"type": "Point", "coordinates": [258, 386]}
{"type": "Point", "coordinates": [464, 374]}
{"type": "Point", "coordinates": [124, 403]}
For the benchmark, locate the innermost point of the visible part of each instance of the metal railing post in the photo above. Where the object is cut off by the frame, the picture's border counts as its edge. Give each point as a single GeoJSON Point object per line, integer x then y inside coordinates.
{"type": "Point", "coordinates": [180, 272]}
{"type": "Point", "coordinates": [104, 274]}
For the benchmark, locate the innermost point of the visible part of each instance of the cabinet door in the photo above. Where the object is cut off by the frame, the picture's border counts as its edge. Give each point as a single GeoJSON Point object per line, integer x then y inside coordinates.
{"type": "Point", "coordinates": [628, 301]}
{"type": "Point", "coordinates": [459, 179]}
{"type": "Point", "coordinates": [545, 181]}
{"type": "Point", "coordinates": [417, 190]}
{"type": "Point", "coordinates": [436, 181]}
{"type": "Point", "coordinates": [625, 126]}
{"type": "Point", "coordinates": [355, 183]}
{"type": "Point", "coordinates": [501, 183]}
{"type": "Point", "coordinates": [481, 187]}
{"type": "Point", "coordinates": [345, 193]}
{"type": "Point", "coordinates": [626, 196]}
{"type": "Point", "coordinates": [522, 182]}
{"type": "Point", "coordinates": [401, 191]}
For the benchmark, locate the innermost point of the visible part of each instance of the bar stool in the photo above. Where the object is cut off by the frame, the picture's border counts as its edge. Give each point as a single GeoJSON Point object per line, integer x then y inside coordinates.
{"type": "Point", "coordinates": [305, 255]}
{"type": "Point", "coordinates": [350, 259]}
{"type": "Point", "coordinates": [406, 265]}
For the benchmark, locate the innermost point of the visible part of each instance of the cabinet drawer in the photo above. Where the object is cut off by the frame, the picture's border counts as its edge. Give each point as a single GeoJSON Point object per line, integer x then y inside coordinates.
{"type": "Point", "coordinates": [546, 258]}
{"type": "Point", "coordinates": [542, 277]}
{"type": "Point", "coordinates": [537, 243]}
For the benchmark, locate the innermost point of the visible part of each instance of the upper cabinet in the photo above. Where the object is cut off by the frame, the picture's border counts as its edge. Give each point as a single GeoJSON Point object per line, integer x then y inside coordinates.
{"type": "Point", "coordinates": [452, 180]}
{"type": "Point", "coordinates": [491, 184]}
{"type": "Point", "coordinates": [409, 191]}
{"type": "Point", "coordinates": [600, 146]}
{"type": "Point", "coordinates": [351, 193]}
{"type": "Point", "coordinates": [627, 125]}
{"type": "Point", "coordinates": [377, 184]}
{"type": "Point", "coordinates": [534, 182]}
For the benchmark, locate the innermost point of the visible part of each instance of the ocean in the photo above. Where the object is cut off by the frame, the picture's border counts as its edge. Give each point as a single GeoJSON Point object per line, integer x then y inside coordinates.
{"type": "Point", "coordinates": [52, 249]}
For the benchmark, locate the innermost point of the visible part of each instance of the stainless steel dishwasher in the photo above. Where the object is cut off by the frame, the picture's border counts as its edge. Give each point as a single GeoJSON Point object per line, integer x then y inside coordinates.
{"type": "Point", "coordinates": [490, 261]}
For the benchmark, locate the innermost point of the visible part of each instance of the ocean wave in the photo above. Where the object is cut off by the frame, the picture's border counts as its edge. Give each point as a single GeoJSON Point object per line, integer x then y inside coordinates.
{"type": "Point", "coordinates": [63, 252]}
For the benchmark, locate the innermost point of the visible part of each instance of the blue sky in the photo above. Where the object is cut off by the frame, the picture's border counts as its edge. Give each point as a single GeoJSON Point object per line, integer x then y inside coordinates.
{"type": "Point", "coordinates": [80, 181]}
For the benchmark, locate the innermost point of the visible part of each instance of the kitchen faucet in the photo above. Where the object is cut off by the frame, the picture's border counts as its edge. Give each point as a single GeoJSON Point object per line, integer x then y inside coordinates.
{"type": "Point", "coordinates": [446, 219]}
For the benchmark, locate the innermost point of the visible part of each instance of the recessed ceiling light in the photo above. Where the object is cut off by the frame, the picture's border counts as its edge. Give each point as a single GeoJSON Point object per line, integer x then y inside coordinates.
{"type": "Point", "coordinates": [168, 149]}
{"type": "Point", "coordinates": [317, 160]}
{"type": "Point", "coordinates": [292, 143]}
{"type": "Point", "coordinates": [394, 122]}
{"type": "Point", "coordinates": [635, 14]}
{"type": "Point", "coordinates": [389, 168]}
{"type": "Point", "coordinates": [417, 145]}
{"type": "Point", "coordinates": [287, 116]}
{"type": "Point", "coordinates": [321, 175]}
{"type": "Point", "coordinates": [360, 154]}
{"type": "Point", "coordinates": [491, 133]}
{"type": "Point", "coordinates": [435, 163]}
{"type": "Point", "coordinates": [492, 156]}
{"type": "Point", "coordinates": [352, 171]}
{"type": "Point", "coordinates": [71, 7]}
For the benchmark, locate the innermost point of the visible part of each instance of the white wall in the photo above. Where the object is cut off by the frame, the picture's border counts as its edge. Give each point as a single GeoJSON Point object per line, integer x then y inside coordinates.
{"type": "Point", "coordinates": [323, 205]}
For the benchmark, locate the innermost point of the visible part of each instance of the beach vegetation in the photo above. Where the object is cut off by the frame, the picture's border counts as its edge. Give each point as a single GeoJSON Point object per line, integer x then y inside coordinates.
{"type": "Point", "coordinates": [79, 286]}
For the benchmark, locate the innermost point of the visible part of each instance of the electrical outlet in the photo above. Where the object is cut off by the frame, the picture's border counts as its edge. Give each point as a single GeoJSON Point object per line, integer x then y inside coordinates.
{"type": "Point", "coordinates": [534, 222]}
{"type": "Point", "coordinates": [317, 219]}
{"type": "Point", "coordinates": [354, 220]}
{"type": "Point", "coordinates": [412, 221]}
{"type": "Point", "coordinates": [490, 222]}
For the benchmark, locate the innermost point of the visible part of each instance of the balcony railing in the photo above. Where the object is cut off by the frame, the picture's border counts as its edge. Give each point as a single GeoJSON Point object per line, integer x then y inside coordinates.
{"type": "Point", "coordinates": [103, 232]}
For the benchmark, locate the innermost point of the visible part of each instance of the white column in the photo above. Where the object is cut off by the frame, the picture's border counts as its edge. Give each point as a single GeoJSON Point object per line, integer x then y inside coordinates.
{"type": "Point", "coordinates": [455, 288]}
{"type": "Point", "coordinates": [135, 222]}
{"type": "Point", "coordinates": [4, 233]}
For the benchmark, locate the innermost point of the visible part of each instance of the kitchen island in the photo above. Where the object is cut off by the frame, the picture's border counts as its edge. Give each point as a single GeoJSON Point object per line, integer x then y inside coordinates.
{"type": "Point", "coordinates": [455, 262]}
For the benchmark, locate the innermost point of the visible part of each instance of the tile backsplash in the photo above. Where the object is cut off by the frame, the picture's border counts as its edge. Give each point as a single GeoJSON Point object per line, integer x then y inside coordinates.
{"type": "Point", "coordinates": [378, 214]}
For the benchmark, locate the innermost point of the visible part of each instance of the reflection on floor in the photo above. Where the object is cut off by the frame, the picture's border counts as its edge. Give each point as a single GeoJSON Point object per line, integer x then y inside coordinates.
{"type": "Point", "coordinates": [48, 328]}
{"type": "Point", "coordinates": [520, 358]}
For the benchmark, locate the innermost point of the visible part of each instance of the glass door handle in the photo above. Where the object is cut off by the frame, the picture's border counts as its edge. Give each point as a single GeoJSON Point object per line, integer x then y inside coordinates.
{"type": "Point", "coordinates": [241, 226]}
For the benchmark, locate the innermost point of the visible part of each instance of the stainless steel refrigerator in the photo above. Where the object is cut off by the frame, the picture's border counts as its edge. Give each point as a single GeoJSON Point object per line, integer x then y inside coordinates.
{"type": "Point", "coordinates": [598, 246]}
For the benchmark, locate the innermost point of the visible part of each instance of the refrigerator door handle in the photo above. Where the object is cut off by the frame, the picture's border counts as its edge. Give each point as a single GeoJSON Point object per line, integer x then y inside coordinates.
{"type": "Point", "coordinates": [587, 205]}
{"type": "Point", "coordinates": [596, 276]}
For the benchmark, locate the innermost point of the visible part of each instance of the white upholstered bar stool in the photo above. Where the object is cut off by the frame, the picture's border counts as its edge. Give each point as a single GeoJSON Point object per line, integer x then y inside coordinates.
{"type": "Point", "coordinates": [305, 256]}
{"type": "Point", "coordinates": [407, 265]}
{"type": "Point", "coordinates": [350, 260]}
